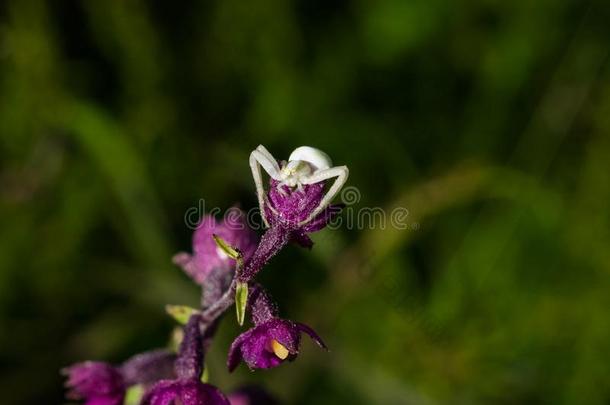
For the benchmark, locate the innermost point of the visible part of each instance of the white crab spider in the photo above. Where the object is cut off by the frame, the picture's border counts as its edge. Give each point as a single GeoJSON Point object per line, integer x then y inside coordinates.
{"type": "Point", "coordinates": [306, 165]}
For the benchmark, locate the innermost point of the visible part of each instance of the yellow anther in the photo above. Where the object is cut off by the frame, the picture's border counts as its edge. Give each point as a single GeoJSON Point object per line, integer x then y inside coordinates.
{"type": "Point", "coordinates": [278, 349]}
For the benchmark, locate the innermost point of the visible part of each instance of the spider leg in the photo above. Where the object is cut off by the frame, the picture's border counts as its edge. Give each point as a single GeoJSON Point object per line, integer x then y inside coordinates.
{"type": "Point", "coordinates": [280, 188]}
{"type": "Point", "coordinates": [261, 157]}
{"type": "Point", "coordinates": [270, 206]}
{"type": "Point", "coordinates": [266, 159]}
{"type": "Point", "coordinates": [341, 173]}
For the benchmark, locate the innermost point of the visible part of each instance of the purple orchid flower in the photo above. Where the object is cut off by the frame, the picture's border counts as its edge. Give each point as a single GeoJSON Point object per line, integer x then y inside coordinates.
{"type": "Point", "coordinates": [290, 208]}
{"type": "Point", "coordinates": [267, 345]}
{"type": "Point", "coordinates": [100, 383]}
{"type": "Point", "coordinates": [207, 258]}
{"type": "Point", "coordinates": [272, 340]}
{"type": "Point", "coordinates": [187, 388]}
{"type": "Point", "coordinates": [286, 209]}
{"type": "Point", "coordinates": [297, 202]}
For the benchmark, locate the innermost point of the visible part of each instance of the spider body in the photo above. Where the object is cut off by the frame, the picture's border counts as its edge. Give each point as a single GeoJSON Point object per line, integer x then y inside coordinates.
{"type": "Point", "coordinates": [295, 173]}
{"type": "Point", "coordinates": [306, 165]}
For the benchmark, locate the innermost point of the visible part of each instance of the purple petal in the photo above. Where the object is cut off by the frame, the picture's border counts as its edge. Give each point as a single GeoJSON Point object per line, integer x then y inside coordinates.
{"type": "Point", "coordinates": [312, 334]}
{"type": "Point", "coordinates": [161, 393]}
{"type": "Point", "coordinates": [92, 378]}
{"type": "Point", "coordinates": [198, 267]}
{"type": "Point", "coordinates": [293, 206]}
{"type": "Point", "coordinates": [97, 383]}
{"type": "Point", "coordinates": [323, 219]}
{"type": "Point", "coordinates": [202, 237]}
{"type": "Point", "coordinates": [252, 346]}
{"type": "Point", "coordinates": [206, 256]}
{"type": "Point", "coordinates": [234, 230]}
{"type": "Point", "coordinates": [188, 392]}
{"type": "Point", "coordinates": [286, 333]}
{"type": "Point", "coordinates": [235, 356]}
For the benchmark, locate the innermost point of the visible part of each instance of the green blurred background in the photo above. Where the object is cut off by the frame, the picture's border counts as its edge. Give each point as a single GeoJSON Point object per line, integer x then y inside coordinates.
{"type": "Point", "coordinates": [488, 120]}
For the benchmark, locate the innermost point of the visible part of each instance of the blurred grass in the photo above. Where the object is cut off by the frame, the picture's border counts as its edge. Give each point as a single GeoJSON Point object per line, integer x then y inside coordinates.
{"type": "Point", "coordinates": [488, 121]}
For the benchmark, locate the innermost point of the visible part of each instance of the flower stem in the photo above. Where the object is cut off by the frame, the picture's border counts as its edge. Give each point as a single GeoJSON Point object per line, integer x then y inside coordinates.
{"type": "Point", "coordinates": [272, 241]}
